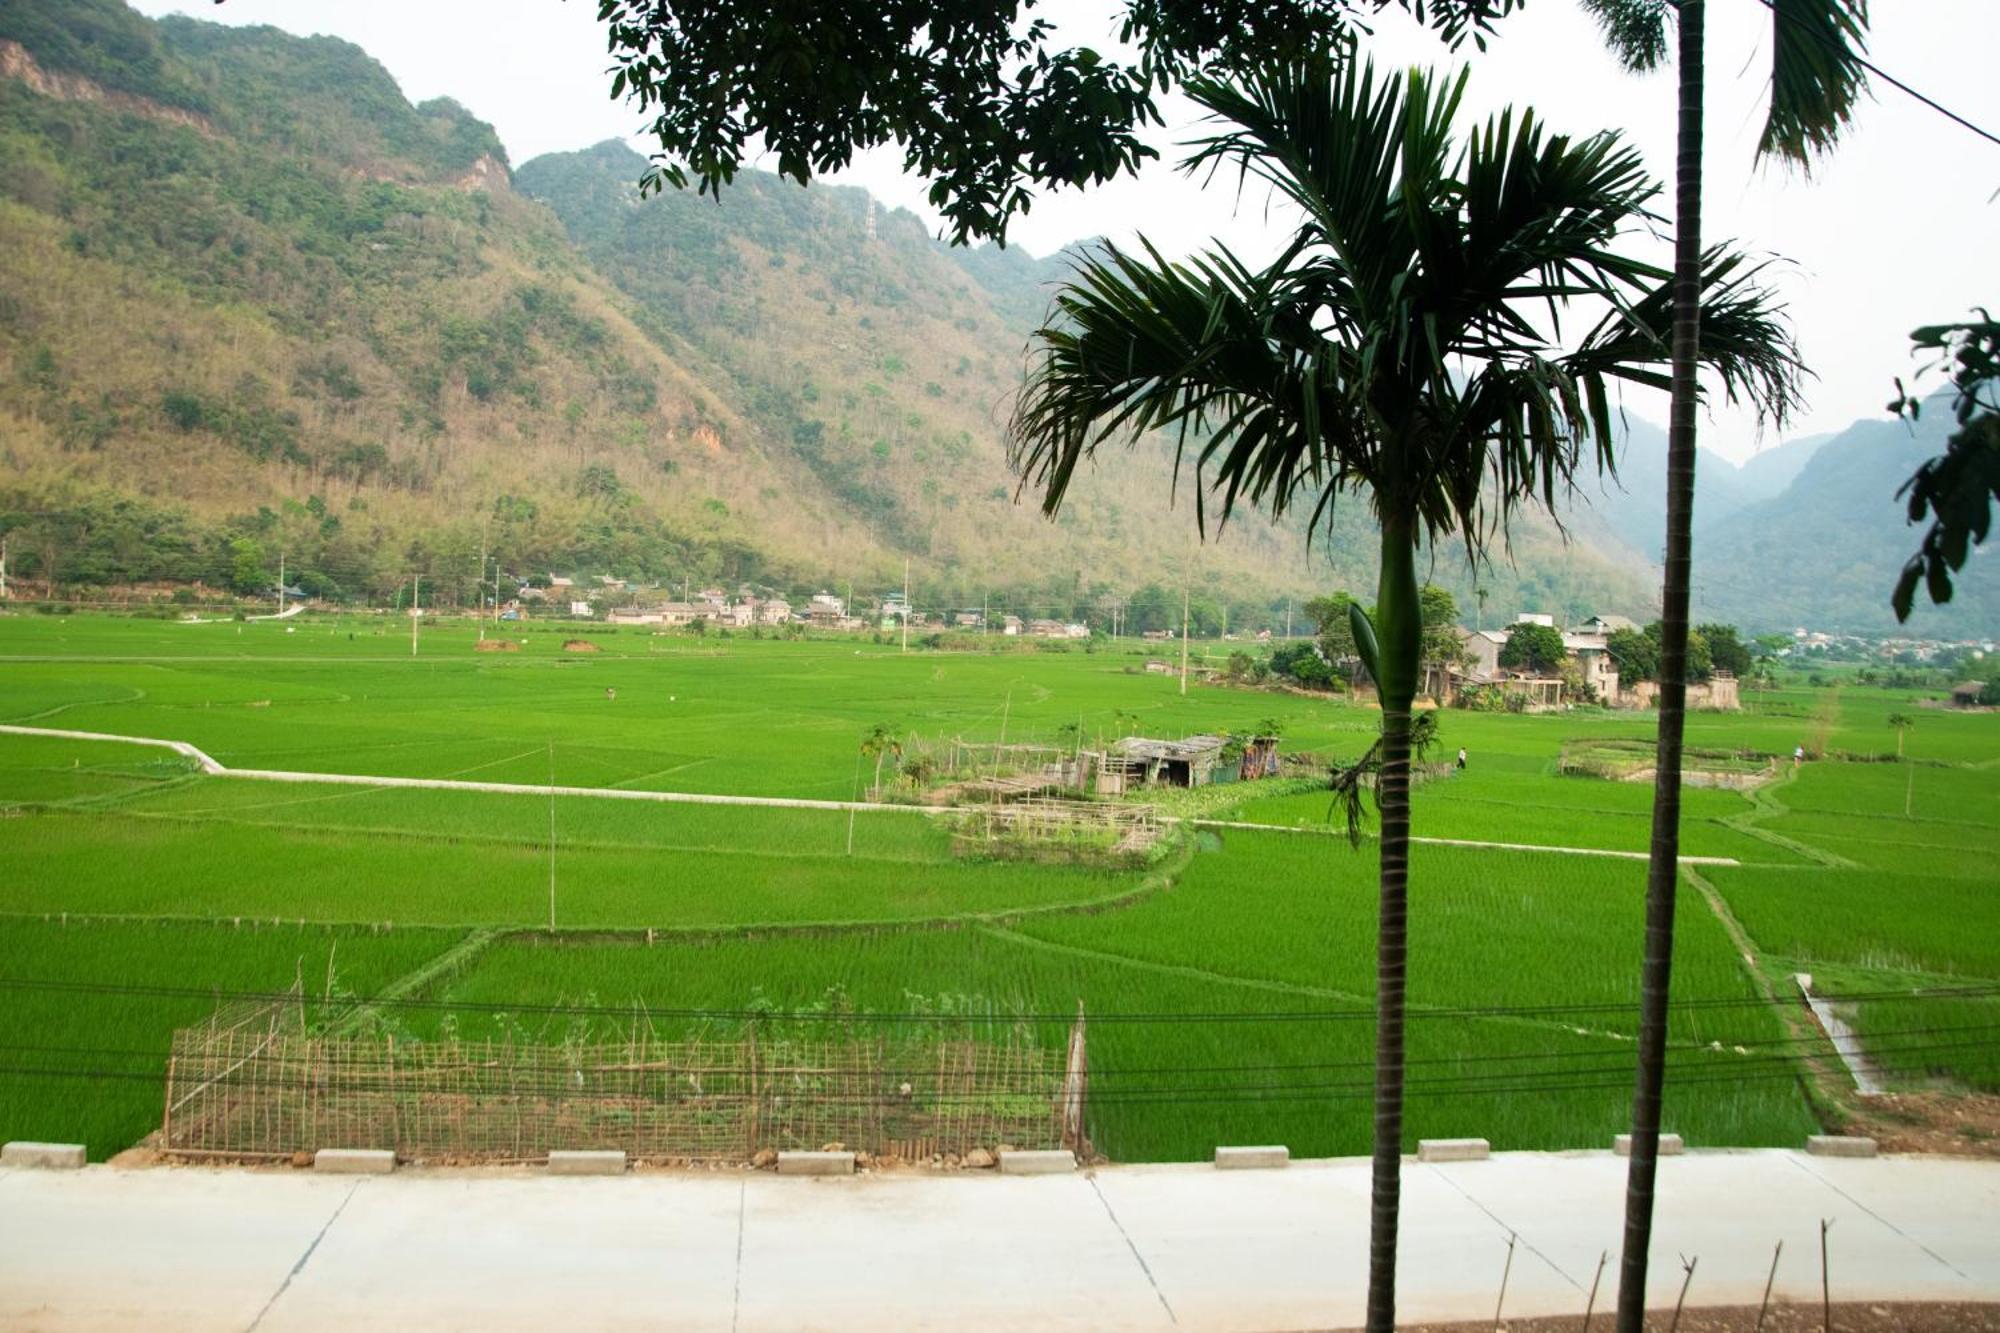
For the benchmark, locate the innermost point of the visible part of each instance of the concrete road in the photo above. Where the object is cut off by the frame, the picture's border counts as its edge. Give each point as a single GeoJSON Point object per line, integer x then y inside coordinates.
{"type": "Point", "coordinates": [1141, 1247]}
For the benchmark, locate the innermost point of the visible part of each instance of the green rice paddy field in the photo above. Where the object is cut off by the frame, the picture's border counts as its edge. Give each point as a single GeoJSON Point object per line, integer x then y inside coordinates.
{"type": "Point", "coordinates": [1228, 984]}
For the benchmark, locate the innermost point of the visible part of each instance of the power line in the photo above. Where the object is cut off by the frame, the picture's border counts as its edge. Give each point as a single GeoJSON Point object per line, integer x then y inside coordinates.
{"type": "Point", "coordinates": [1739, 1050]}
{"type": "Point", "coordinates": [1352, 1014]}
{"type": "Point", "coordinates": [1880, 73]}
{"type": "Point", "coordinates": [1778, 1069]}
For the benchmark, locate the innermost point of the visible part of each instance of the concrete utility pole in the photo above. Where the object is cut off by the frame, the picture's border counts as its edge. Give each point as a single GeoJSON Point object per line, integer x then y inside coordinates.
{"type": "Point", "coordinates": [1184, 632]}
{"type": "Point", "coordinates": [3, 569]}
{"type": "Point", "coordinates": [416, 593]}
{"type": "Point", "coordinates": [1288, 618]}
{"type": "Point", "coordinates": [552, 835]}
{"type": "Point", "coordinates": [281, 583]}
{"type": "Point", "coordinates": [906, 604]}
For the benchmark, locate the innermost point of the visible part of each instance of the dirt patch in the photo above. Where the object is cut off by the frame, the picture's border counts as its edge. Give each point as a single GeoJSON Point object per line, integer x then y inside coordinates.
{"type": "Point", "coordinates": [1965, 1124]}
{"type": "Point", "coordinates": [1784, 1317]}
{"type": "Point", "coordinates": [496, 646]}
{"type": "Point", "coordinates": [580, 646]}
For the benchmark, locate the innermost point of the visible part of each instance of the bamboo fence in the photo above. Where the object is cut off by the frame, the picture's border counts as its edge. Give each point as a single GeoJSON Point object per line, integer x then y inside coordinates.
{"type": "Point", "coordinates": [254, 1082]}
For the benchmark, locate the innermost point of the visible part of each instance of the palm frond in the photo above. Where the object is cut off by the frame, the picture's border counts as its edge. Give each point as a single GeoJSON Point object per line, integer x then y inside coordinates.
{"type": "Point", "coordinates": [1745, 338]}
{"type": "Point", "coordinates": [1817, 75]}
{"type": "Point", "coordinates": [1350, 783]}
{"type": "Point", "coordinates": [1635, 30]}
{"type": "Point", "coordinates": [1408, 343]}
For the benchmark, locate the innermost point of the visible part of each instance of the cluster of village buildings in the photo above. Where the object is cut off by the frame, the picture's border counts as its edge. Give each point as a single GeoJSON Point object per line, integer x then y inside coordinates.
{"type": "Point", "coordinates": [746, 610]}
{"type": "Point", "coordinates": [1588, 644]}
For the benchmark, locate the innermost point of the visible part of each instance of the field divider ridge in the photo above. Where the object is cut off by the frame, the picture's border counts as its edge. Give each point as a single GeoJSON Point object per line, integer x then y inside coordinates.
{"type": "Point", "coordinates": [216, 769]}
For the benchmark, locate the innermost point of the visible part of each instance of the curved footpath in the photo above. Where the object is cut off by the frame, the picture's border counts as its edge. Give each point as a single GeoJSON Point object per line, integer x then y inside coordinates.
{"type": "Point", "coordinates": [214, 768]}
{"type": "Point", "coordinates": [1130, 1247]}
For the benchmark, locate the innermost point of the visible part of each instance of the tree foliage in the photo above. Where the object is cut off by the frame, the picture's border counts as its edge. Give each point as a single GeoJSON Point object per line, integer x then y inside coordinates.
{"type": "Point", "coordinates": [1636, 653]}
{"type": "Point", "coordinates": [984, 99]}
{"type": "Point", "coordinates": [1536, 648]}
{"type": "Point", "coordinates": [1957, 489]}
{"type": "Point", "coordinates": [1726, 649]}
{"type": "Point", "coordinates": [1441, 641]}
{"type": "Point", "coordinates": [1817, 74]}
{"type": "Point", "coordinates": [1334, 631]}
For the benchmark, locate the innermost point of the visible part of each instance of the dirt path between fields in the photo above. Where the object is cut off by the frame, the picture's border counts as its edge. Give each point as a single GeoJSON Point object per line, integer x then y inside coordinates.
{"type": "Point", "coordinates": [215, 768]}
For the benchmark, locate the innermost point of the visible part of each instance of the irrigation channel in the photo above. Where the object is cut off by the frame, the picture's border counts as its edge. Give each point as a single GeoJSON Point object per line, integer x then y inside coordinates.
{"type": "Point", "coordinates": [213, 767]}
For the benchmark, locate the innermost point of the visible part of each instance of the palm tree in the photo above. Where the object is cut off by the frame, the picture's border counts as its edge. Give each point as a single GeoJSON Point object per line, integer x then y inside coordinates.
{"type": "Point", "coordinates": [879, 741]}
{"type": "Point", "coordinates": [1406, 345]}
{"type": "Point", "coordinates": [1817, 75]}
{"type": "Point", "coordinates": [1902, 722]}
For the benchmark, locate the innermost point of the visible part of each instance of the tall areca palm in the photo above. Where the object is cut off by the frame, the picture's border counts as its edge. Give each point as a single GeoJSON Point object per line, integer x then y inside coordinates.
{"type": "Point", "coordinates": [1407, 346]}
{"type": "Point", "coordinates": [1816, 78]}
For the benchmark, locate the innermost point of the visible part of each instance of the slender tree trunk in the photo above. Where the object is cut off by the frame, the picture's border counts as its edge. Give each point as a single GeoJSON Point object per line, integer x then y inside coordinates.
{"type": "Point", "coordinates": [1663, 869]}
{"type": "Point", "coordinates": [1398, 636]}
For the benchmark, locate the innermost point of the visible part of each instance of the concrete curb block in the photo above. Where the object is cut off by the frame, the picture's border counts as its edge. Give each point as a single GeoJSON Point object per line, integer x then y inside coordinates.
{"type": "Point", "coordinates": [589, 1163]}
{"type": "Point", "coordinates": [1453, 1150]}
{"type": "Point", "coordinates": [1840, 1145]}
{"type": "Point", "coordinates": [1670, 1145]}
{"type": "Point", "coordinates": [1053, 1162]}
{"type": "Point", "coordinates": [43, 1156]}
{"type": "Point", "coordinates": [355, 1161]}
{"type": "Point", "coordinates": [1250, 1159]}
{"type": "Point", "coordinates": [815, 1163]}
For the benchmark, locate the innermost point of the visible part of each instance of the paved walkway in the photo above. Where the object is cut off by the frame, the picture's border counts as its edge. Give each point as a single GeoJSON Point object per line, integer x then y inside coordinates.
{"type": "Point", "coordinates": [1143, 1247]}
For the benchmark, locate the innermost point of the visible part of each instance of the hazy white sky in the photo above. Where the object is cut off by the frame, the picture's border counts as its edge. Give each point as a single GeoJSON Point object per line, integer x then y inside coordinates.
{"type": "Point", "coordinates": [1897, 229]}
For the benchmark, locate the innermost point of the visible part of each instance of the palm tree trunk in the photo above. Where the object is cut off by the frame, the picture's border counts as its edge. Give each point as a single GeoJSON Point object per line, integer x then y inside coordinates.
{"type": "Point", "coordinates": [1398, 638]}
{"type": "Point", "coordinates": [1663, 868]}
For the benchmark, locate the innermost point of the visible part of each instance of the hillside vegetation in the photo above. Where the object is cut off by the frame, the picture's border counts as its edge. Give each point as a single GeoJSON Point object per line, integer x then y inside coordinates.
{"type": "Point", "coordinates": [255, 304]}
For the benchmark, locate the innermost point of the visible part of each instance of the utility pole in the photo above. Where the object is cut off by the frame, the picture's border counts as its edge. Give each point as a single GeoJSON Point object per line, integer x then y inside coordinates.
{"type": "Point", "coordinates": [3, 569]}
{"type": "Point", "coordinates": [1288, 619]}
{"type": "Point", "coordinates": [1184, 632]}
{"type": "Point", "coordinates": [479, 591]}
{"type": "Point", "coordinates": [416, 593]}
{"type": "Point", "coordinates": [281, 583]}
{"type": "Point", "coordinates": [906, 604]}
{"type": "Point", "coordinates": [3, 585]}
{"type": "Point", "coordinates": [552, 835]}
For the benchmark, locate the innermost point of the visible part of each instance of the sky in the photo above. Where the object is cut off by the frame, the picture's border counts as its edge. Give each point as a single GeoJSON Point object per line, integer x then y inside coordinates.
{"type": "Point", "coordinates": [1896, 229]}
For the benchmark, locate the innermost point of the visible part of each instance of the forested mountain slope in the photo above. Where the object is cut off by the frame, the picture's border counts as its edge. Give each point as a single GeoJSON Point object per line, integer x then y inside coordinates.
{"type": "Point", "coordinates": [252, 302]}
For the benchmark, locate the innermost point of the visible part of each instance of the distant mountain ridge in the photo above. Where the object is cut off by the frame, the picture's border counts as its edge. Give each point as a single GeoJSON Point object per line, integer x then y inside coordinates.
{"type": "Point", "coordinates": [1805, 533]}
{"type": "Point", "coordinates": [252, 300]}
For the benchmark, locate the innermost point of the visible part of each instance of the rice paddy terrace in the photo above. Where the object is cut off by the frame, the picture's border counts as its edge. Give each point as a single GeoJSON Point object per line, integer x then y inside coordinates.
{"type": "Point", "coordinates": [1227, 980]}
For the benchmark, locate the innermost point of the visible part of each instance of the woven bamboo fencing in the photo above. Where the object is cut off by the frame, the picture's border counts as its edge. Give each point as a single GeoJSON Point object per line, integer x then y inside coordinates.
{"type": "Point", "coordinates": [254, 1082]}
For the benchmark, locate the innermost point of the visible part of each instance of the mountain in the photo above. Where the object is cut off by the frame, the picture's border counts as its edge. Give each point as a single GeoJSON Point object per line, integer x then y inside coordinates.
{"type": "Point", "coordinates": [252, 301]}
{"type": "Point", "coordinates": [254, 304]}
{"type": "Point", "coordinates": [1632, 504]}
{"type": "Point", "coordinates": [1768, 472]}
{"type": "Point", "coordinates": [1807, 532]}
{"type": "Point", "coordinates": [1825, 550]}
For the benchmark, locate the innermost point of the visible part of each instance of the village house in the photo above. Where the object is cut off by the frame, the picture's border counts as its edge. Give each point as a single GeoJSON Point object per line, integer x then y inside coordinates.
{"type": "Point", "coordinates": [968, 620]}
{"type": "Point", "coordinates": [773, 611]}
{"type": "Point", "coordinates": [1483, 647]}
{"type": "Point", "coordinates": [558, 583]}
{"type": "Point", "coordinates": [826, 610]}
{"type": "Point", "coordinates": [1589, 643]}
{"type": "Point", "coordinates": [1010, 624]}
